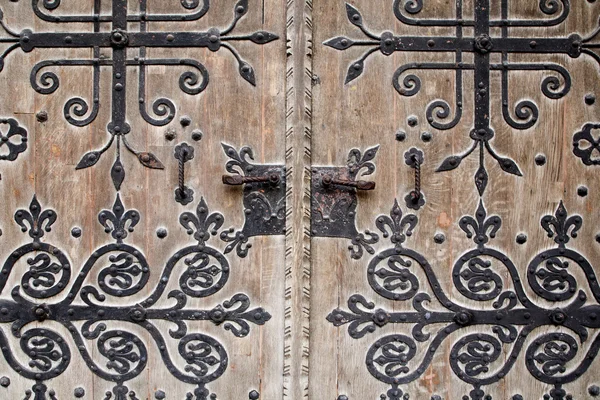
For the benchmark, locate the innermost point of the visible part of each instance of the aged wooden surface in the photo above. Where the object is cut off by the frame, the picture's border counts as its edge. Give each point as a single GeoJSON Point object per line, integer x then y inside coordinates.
{"type": "Point", "coordinates": [230, 110]}
{"type": "Point", "coordinates": [367, 112]}
{"type": "Point", "coordinates": [302, 114]}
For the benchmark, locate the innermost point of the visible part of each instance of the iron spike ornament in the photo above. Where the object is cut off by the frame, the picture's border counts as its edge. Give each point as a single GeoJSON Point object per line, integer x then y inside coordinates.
{"type": "Point", "coordinates": [506, 317]}
{"type": "Point", "coordinates": [481, 45]}
{"type": "Point", "coordinates": [119, 271]}
{"type": "Point", "coordinates": [123, 42]}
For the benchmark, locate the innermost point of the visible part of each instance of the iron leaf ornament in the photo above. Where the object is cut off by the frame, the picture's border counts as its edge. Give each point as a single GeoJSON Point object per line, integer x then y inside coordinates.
{"type": "Point", "coordinates": [481, 45]}
{"type": "Point", "coordinates": [129, 50]}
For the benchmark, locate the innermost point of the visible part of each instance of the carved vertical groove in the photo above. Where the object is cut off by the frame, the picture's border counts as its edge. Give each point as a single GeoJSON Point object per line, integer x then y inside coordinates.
{"type": "Point", "coordinates": [298, 162]}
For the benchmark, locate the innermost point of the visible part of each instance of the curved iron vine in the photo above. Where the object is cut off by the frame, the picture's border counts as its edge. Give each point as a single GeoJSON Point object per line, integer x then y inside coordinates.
{"type": "Point", "coordinates": [121, 272]}
{"type": "Point", "coordinates": [481, 45]}
{"type": "Point", "coordinates": [78, 111]}
{"type": "Point", "coordinates": [479, 275]}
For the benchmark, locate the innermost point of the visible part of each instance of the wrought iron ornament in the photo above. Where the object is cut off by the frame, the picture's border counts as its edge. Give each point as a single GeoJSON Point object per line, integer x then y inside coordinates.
{"type": "Point", "coordinates": [264, 198]}
{"type": "Point", "coordinates": [414, 158]}
{"type": "Point", "coordinates": [507, 315]}
{"type": "Point", "coordinates": [481, 46]}
{"type": "Point", "coordinates": [13, 139]}
{"type": "Point", "coordinates": [334, 200]}
{"type": "Point", "coordinates": [122, 41]}
{"type": "Point", "coordinates": [122, 272]}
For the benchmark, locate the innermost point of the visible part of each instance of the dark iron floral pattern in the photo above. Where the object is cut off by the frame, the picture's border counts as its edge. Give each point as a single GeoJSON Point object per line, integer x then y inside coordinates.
{"type": "Point", "coordinates": [13, 140]}
{"type": "Point", "coordinates": [507, 315]}
{"type": "Point", "coordinates": [78, 111]}
{"type": "Point", "coordinates": [481, 45]}
{"type": "Point", "coordinates": [121, 271]}
{"type": "Point", "coordinates": [586, 145]}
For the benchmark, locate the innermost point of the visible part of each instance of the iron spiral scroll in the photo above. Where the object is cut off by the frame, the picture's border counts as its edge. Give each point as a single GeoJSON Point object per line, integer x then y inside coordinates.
{"type": "Point", "coordinates": [506, 318]}
{"type": "Point", "coordinates": [52, 291]}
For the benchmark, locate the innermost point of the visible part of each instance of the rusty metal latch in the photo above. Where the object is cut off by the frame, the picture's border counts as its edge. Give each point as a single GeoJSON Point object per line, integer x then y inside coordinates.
{"type": "Point", "coordinates": [264, 198]}
{"type": "Point", "coordinates": [334, 200]}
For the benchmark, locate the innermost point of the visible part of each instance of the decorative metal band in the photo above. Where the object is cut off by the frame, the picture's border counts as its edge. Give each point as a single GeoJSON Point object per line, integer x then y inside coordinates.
{"type": "Point", "coordinates": [506, 317]}
{"type": "Point", "coordinates": [481, 45]}
{"type": "Point", "coordinates": [78, 111]}
{"type": "Point", "coordinates": [123, 271]}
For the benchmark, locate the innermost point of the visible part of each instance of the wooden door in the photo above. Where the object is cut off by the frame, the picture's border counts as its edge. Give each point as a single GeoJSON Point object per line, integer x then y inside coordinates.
{"type": "Point", "coordinates": [296, 199]}
{"type": "Point", "coordinates": [483, 285]}
{"type": "Point", "coordinates": [117, 283]}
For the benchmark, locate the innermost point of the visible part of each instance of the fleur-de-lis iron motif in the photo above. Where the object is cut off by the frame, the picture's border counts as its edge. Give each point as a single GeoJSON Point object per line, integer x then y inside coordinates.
{"type": "Point", "coordinates": [122, 41]}
{"type": "Point", "coordinates": [123, 273]}
{"type": "Point", "coordinates": [264, 198]}
{"type": "Point", "coordinates": [481, 45]}
{"type": "Point", "coordinates": [487, 276]}
{"type": "Point", "coordinates": [334, 200]}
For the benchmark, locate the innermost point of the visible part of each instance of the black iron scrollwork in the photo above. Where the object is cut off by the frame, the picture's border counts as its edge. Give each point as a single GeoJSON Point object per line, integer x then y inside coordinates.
{"type": "Point", "coordinates": [334, 200]}
{"type": "Point", "coordinates": [481, 45]}
{"type": "Point", "coordinates": [507, 315]}
{"type": "Point", "coordinates": [121, 271]}
{"type": "Point", "coordinates": [264, 198]}
{"type": "Point", "coordinates": [122, 41]}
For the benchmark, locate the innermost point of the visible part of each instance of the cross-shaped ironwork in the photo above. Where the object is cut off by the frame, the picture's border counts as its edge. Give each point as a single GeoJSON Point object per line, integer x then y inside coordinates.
{"type": "Point", "coordinates": [122, 40]}
{"type": "Point", "coordinates": [481, 45]}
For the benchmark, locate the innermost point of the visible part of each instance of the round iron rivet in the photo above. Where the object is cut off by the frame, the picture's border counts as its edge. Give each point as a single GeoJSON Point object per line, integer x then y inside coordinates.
{"type": "Point", "coordinates": [161, 233]}
{"type": "Point", "coordinates": [118, 87]}
{"type": "Point", "coordinates": [170, 37]}
{"type": "Point", "coordinates": [589, 99]}
{"type": "Point", "coordinates": [213, 38]}
{"type": "Point", "coordinates": [357, 66]}
{"type": "Point", "coordinates": [532, 44]}
{"type": "Point", "coordinates": [42, 116]}
{"type": "Point", "coordinates": [540, 160]}
{"type": "Point", "coordinates": [412, 121]}
{"type": "Point", "coordinates": [400, 136]}
{"type": "Point", "coordinates": [160, 395]}
{"type": "Point", "coordinates": [5, 381]}
{"type": "Point", "coordinates": [439, 238]}
{"type": "Point", "coordinates": [76, 232]}
{"type": "Point", "coordinates": [185, 121]}
{"type": "Point", "coordinates": [68, 39]}
{"type": "Point", "coordinates": [170, 135]}
{"type": "Point", "coordinates": [426, 136]}
{"type": "Point", "coordinates": [582, 191]}
{"type": "Point", "coordinates": [521, 238]}
{"type": "Point", "coordinates": [431, 43]}
{"type": "Point", "coordinates": [594, 390]}
{"type": "Point", "coordinates": [79, 392]}
{"type": "Point", "coordinates": [197, 135]}
{"type": "Point", "coordinates": [253, 395]}
{"type": "Point", "coordinates": [388, 42]}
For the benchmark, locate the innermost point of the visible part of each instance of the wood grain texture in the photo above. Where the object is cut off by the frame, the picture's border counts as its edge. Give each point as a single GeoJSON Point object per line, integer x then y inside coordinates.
{"type": "Point", "coordinates": [230, 110]}
{"type": "Point", "coordinates": [368, 112]}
